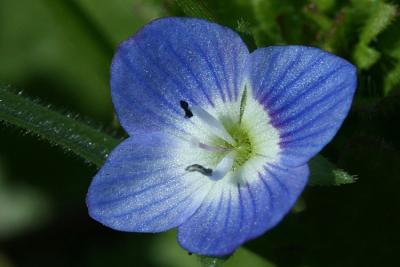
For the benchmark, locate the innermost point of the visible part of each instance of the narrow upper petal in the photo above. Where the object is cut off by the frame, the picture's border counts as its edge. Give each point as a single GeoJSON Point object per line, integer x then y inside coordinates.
{"type": "Point", "coordinates": [232, 214]}
{"type": "Point", "coordinates": [143, 186]}
{"type": "Point", "coordinates": [170, 60]}
{"type": "Point", "coordinates": [307, 93]}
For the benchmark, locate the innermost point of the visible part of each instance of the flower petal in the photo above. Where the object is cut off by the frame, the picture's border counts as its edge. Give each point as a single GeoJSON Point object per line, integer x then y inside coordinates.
{"type": "Point", "coordinates": [143, 186]}
{"type": "Point", "coordinates": [232, 214]}
{"type": "Point", "coordinates": [170, 60]}
{"type": "Point", "coordinates": [307, 93]}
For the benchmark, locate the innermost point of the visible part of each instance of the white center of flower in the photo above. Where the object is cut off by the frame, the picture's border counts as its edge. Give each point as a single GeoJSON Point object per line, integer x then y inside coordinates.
{"type": "Point", "coordinates": [230, 141]}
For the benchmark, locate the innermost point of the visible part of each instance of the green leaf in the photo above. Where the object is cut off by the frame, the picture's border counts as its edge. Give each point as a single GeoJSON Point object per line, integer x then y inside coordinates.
{"type": "Point", "coordinates": [268, 30]}
{"type": "Point", "coordinates": [77, 137]}
{"type": "Point", "coordinates": [324, 5]}
{"type": "Point", "coordinates": [380, 16]}
{"type": "Point", "coordinates": [392, 77]}
{"type": "Point", "coordinates": [281, 22]}
{"type": "Point", "coordinates": [63, 60]}
{"type": "Point", "coordinates": [241, 257]}
{"type": "Point", "coordinates": [118, 19]}
{"type": "Point", "coordinates": [71, 44]}
{"type": "Point", "coordinates": [197, 9]}
{"type": "Point", "coordinates": [324, 173]}
{"type": "Point", "coordinates": [211, 261]}
{"type": "Point", "coordinates": [170, 254]}
{"type": "Point", "coordinates": [22, 207]}
{"type": "Point", "coordinates": [200, 9]}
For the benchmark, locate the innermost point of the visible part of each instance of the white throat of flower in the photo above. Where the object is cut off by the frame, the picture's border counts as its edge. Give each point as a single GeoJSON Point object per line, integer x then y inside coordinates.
{"type": "Point", "coordinates": [231, 141]}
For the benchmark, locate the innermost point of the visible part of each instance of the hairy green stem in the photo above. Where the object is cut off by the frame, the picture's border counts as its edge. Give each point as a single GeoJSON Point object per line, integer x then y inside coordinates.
{"type": "Point", "coordinates": [72, 135]}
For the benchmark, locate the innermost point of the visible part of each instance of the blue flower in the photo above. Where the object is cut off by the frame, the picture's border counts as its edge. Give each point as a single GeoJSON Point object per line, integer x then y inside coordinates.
{"type": "Point", "coordinates": [219, 138]}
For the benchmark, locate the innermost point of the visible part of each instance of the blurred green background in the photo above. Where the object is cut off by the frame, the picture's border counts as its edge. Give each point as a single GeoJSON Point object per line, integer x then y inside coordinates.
{"type": "Point", "coordinates": [59, 51]}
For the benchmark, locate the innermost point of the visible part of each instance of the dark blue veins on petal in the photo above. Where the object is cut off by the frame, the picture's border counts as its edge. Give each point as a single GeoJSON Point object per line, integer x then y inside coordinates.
{"type": "Point", "coordinates": [229, 223]}
{"type": "Point", "coordinates": [163, 65]}
{"type": "Point", "coordinates": [283, 86]}
{"type": "Point", "coordinates": [127, 178]}
{"type": "Point", "coordinates": [235, 74]}
{"type": "Point", "coordinates": [304, 137]}
{"type": "Point", "coordinates": [212, 69]}
{"type": "Point", "coordinates": [277, 180]}
{"type": "Point", "coordinates": [218, 229]}
{"type": "Point", "coordinates": [154, 209]}
{"type": "Point", "coordinates": [249, 209]}
{"type": "Point", "coordinates": [264, 66]}
{"type": "Point", "coordinates": [301, 111]}
{"type": "Point", "coordinates": [149, 78]}
{"type": "Point", "coordinates": [262, 208]}
{"type": "Point", "coordinates": [190, 72]}
{"type": "Point", "coordinates": [114, 204]}
{"type": "Point", "coordinates": [274, 84]}
{"type": "Point", "coordinates": [126, 191]}
{"type": "Point", "coordinates": [307, 93]}
{"type": "Point", "coordinates": [310, 127]}
{"type": "Point", "coordinates": [304, 127]}
{"type": "Point", "coordinates": [286, 100]}
{"type": "Point", "coordinates": [186, 201]}
{"type": "Point", "coordinates": [139, 181]}
{"type": "Point", "coordinates": [227, 52]}
{"type": "Point", "coordinates": [281, 188]}
{"type": "Point", "coordinates": [214, 222]}
{"type": "Point", "coordinates": [140, 107]}
{"type": "Point", "coordinates": [161, 199]}
{"type": "Point", "coordinates": [222, 64]}
{"type": "Point", "coordinates": [171, 60]}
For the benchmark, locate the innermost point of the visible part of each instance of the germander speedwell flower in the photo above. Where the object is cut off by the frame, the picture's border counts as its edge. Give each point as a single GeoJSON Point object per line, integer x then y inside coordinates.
{"type": "Point", "coordinates": [219, 138]}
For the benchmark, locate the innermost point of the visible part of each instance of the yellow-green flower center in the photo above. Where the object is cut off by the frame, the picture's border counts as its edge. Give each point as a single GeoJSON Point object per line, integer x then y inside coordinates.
{"type": "Point", "coordinates": [243, 147]}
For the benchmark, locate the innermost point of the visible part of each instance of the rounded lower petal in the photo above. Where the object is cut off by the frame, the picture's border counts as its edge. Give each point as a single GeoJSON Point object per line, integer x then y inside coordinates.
{"type": "Point", "coordinates": [170, 60]}
{"type": "Point", "coordinates": [143, 186]}
{"type": "Point", "coordinates": [307, 92]}
{"type": "Point", "coordinates": [232, 214]}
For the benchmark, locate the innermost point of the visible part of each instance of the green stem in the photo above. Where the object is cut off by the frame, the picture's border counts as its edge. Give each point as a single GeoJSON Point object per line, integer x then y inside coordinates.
{"type": "Point", "coordinates": [72, 135]}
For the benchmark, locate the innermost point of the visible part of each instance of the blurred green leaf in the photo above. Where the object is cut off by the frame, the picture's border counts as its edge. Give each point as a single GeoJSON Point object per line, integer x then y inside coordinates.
{"type": "Point", "coordinates": [211, 261]}
{"type": "Point", "coordinates": [324, 173]}
{"type": "Point", "coordinates": [87, 142]}
{"type": "Point", "coordinates": [196, 8]}
{"type": "Point", "coordinates": [170, 254]}
{"type": "Point", "coordinates": [392, 77]}
{"type": "Point", "coordinates": [54, 55]}
{"type": "Point", "coordinates": [324, 5]}
{"type": "Point", "coordinates": [4, 261]}
{"type": "Point", "coordinates": [127, 16]}
{"type": "Point", "coordinates": [268, 30]}
{"type": "Point", "coordinates": [201, 9]}
{"type": "Point", "coordinates": [63, 54]}
{"type": "Point", "coordinates": [281, 22]}
{"type": "Point", "coordinates": [380, 15]}
{"type": "Point", "coordinates": [21, 208]}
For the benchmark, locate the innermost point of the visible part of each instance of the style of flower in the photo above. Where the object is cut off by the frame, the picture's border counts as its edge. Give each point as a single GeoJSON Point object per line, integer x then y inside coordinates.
{"type": "Point", "coordinates": [219, 138]}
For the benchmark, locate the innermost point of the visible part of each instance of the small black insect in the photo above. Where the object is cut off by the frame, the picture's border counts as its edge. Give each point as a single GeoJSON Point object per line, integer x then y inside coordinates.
{"type": "Point", "coordinates": [200, 169]}
{"type": "Point", "coordinates": [185, 107]}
